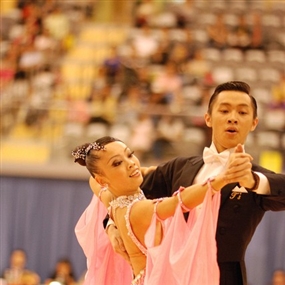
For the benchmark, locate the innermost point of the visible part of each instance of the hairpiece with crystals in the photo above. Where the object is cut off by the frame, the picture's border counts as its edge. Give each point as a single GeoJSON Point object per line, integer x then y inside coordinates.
{"type": "Point", "coordinates": [81, 152]}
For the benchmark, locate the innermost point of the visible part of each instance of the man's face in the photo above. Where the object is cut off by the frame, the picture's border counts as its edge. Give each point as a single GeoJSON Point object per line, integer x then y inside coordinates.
{"type": "Point", "coordinates": [231, 119]}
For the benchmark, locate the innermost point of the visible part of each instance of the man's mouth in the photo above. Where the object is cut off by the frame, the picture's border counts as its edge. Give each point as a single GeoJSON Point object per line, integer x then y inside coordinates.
{"type": "Point", "coordinates": [231, 130]}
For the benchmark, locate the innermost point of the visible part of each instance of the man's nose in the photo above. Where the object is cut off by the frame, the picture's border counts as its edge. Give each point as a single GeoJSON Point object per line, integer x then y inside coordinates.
{"type": "Point", "coordinates": [232, 118]}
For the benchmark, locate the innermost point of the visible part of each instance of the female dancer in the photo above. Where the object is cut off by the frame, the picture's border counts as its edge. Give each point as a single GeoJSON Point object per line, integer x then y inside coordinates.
{"type": "Point", "coordinates": [157, 246]}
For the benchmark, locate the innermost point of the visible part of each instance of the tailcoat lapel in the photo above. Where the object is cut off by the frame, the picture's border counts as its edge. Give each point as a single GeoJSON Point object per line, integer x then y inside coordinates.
{"type": "Point", "coordinates": [192, 168]}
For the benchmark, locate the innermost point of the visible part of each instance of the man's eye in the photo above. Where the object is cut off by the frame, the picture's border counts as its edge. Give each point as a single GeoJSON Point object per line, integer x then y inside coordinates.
{"type": "Point", "coordinates": [243, 113]}
{"type": "Point", "coordinates": [224, 111]}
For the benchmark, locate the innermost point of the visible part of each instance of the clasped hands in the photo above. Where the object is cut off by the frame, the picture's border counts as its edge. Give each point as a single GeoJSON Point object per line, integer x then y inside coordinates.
{"type": "Point", "coordinates": [238, 169]}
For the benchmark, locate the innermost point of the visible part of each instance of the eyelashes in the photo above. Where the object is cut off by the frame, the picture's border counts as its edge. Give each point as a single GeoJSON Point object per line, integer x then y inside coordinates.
{"type": "Point", "coordinates": [117, 163]}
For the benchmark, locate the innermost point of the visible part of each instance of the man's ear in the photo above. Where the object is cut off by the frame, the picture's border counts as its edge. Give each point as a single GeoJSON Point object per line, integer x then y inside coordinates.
{"type": "Point", "coordinates": [254, 124]}
{"type": "Point", "coordinates": [208, 120]}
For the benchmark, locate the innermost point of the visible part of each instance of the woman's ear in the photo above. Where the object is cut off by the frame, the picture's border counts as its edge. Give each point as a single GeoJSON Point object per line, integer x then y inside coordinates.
{"type": "Point", "coordinates": [100, 180]}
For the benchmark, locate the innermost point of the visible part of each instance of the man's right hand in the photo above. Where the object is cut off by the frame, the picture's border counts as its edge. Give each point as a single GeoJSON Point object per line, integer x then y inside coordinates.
{"type": "Point", "coordinates": [117, 242]}
{"type": "Point", "coordinates": [239, 168]}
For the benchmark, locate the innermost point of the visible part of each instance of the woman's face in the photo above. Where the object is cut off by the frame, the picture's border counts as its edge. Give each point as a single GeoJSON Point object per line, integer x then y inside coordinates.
{"type": "Point", "coordinates": [120, 169]}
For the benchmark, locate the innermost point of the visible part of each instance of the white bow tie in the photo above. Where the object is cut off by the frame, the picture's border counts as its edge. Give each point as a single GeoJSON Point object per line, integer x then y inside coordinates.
{"type": "Point", "coordinates": [210, 156]}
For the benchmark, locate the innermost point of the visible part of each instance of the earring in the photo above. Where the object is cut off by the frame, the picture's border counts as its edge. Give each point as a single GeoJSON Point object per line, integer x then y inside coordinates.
{"type": "Point", "coordinates": [103, 188]}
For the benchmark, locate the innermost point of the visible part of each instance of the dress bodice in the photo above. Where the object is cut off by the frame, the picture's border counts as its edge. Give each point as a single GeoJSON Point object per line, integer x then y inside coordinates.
{"type": "Point", "coordinates": [128, 202]}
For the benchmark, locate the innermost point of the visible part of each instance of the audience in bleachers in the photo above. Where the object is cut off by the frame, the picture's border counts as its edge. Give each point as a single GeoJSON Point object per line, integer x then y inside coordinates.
{"type": "Point", "coordinates": [63, 273]}
{"type": "Point", "coordinates": [17, 273]}
{"type": "Point", "coordinates": [278, 277]}
{"type": "Point", "coordinates": [153, 69]}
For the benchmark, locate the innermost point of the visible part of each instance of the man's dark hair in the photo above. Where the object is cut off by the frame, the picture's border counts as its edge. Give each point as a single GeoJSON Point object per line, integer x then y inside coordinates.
{"type": "Point", "coordinates": [232, 86]}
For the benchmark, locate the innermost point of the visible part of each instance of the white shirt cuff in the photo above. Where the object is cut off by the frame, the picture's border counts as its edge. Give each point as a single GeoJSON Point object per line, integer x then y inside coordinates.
{"type": "Point", "coordinates": [109, 223]}
{"type": "Point", "coordinates": [263, 187]}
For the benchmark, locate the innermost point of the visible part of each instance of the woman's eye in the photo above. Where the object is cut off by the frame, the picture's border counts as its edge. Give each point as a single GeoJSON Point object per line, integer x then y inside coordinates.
{"type": "Point", "coordinates": [224, 111]}
{"type": "Point", "coordinates": [131, 154]}
{"type": "Point", "coordinates": [117, 163]}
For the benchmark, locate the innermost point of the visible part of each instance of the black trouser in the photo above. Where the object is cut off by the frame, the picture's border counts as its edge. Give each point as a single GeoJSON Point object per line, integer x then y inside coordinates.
{"type": "Point", "coordinates": [231, 274]}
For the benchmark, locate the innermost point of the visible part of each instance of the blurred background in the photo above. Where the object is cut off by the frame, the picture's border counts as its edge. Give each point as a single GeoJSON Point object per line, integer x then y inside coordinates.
{"type": "Point", "coordinates": [142, 71]}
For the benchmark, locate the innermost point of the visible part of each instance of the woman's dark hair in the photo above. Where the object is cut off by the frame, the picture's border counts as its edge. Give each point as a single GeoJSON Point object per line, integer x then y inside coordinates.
{"type": "Point", "coordinates": [232, 86]}
{"type": "Point", "coordinates": [89, 153]}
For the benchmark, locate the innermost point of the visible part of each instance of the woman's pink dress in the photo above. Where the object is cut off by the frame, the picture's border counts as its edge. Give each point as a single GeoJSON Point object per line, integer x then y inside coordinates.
{"type": "Point", "coordinates": [186, 256]}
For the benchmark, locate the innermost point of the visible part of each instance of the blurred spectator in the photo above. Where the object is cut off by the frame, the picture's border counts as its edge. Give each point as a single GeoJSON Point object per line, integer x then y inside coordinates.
{"type": "Point", "coordinates": [45, 43]}
{"type": "Point", "coordinates": [144, 84]}
{"type": "Point", "coordinates": [32, 17]}
{"type": "Point", "coordinates": [30, 278]}
{"type": "Point", "coordinates": [165, 43]}
{"type": "Point", "coordinates": [278, 93]}
{"type": "Point", "coordinates": [145, 43]}
{"type": "Point", "coordinates": [179, 54]}
{"type": "Point", "coordinates": [17, 267]}
{"type": "Point", "coordinates": [131, 63]}
{"type": "Point", "coordinates": [278, 277]}
{"type": "Point", "coordinates": [78, 111]}
{"type": "Point", "coordinates": [169, 129]}
{"type": "Point", "coordinates": [218, 33]}
{"type": "Point", "coordinates": [198, 68]}
{"type": "Point", "coordinates": [112, 66]}
{"type": "Point", "coordinates": [130, 105]}
{"type": "Point", "coordinates": [145, 10]}
{"type": "Point", "coordinates": [184, 13]}
{"type": "Point", "coordinates": [31, 60]}
{"type": "Point", "coordinates": [258, 39]}
{"type": "Point", "coordinates": [240, 36]}
{"type": "Point", "coordinates": [142, 135]}
{"type": "Point", "coordinates": [63, 273]}
{"type": "Point", "coordinates": [167, 86]}
{"type": "Point", "coordinates": [190, 43]}
{"type": "Point", "coordinates": [7, 72]}
{"type": "Point", "coordinates": [57, 24]}
{"type": "Point", "coordinates": [102, 106]}
{"type": "Point", "coordinates": [138, 93]}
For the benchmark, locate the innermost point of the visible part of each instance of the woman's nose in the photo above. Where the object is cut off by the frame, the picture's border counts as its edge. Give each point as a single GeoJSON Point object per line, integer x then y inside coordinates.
{"type": "Point", "coordinates": [131, 163]}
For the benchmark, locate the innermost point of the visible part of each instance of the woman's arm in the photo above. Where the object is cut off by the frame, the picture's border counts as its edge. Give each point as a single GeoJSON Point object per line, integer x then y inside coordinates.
{"type": "Point", "coordinates": [191, 197]}
{"type": "Point", "coordinates": [104, 195]}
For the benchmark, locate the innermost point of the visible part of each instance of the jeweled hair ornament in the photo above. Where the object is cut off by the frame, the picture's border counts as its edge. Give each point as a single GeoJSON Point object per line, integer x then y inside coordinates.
{"type": "Point", "coordinates": [81, 152]}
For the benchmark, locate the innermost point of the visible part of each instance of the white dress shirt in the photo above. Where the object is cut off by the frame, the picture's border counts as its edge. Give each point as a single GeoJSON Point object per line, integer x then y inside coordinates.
{"type": "Point", "coordinates": [217, 165]}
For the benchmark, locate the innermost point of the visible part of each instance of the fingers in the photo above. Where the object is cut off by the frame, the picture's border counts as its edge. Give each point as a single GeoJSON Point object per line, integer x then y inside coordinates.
{"type": "Point", "coordinates": [239, 176]}
{"type": "Point", "coordinates": [238, 149]}
{"type": "Point", "coordinates": [239, 158]}
{"type": "Point", "coordinates": [238, 168]}
{"type": "Point", "coordinates": [120, 249]}
{"type": "Point", "coordinates": [121, 244]}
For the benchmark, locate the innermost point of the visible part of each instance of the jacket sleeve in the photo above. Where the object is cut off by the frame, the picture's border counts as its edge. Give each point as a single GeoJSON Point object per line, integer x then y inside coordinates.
{"type": "Point", "coordinates": [276, 180]}
{"type": "Point", "coordinates": [276, 200]}
{"type": "Point", "coordinates": [160, 182]}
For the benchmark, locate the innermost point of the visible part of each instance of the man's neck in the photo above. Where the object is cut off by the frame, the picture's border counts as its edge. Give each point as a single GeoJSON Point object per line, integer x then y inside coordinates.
{"type": "Point", "coordinates": [213, 147]}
